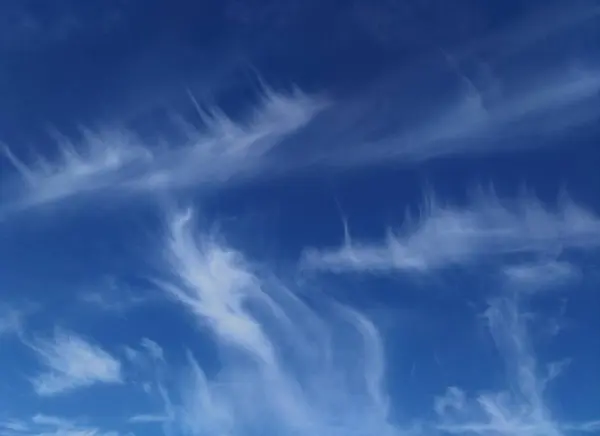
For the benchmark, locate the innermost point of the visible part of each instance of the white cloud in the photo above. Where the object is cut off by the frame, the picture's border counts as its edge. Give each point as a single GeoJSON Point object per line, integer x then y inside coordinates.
{"type": "Point", "coordinates": [70, 363]}
{"type": "Point", "coordinates": [535, 276]}
{"type": "Point", "coordinates": [533, 27]}
{"type": "Point", "coordinates": [14, 425]}
{"type": "Point", "coordinates": [285, 368]}
{"type": "Point", "coordinates": [115, 297]}
{"type": "Point", "coordinates": [11, 320]}
{"type": "Point", "coordinates": [482, 119]}
{"type": "Point", "coordinates": [148, 419]}
{"type": "Point", "coordinates": [46, 425]}
{"type": "Point", "coordinates": [93, 164]}
{"type": "Point", "coordinates": [446, 235]}
{"type": "Point", "coordinates": [120, 161]}
{"type": "Point", "coordinates": [51, 421]}
{"type": "Point", "coordinates": [153, 349]}
{"type": "Point", "coordinates": [224, 150]}
{"type": "Point", "coordinates": [522, 409]}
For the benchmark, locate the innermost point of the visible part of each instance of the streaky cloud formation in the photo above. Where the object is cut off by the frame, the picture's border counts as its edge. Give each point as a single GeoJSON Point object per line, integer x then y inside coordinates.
{"type": "Point", "coordinates": [114, 297]}
{"type": "Point", "coordinates": [490, 227]}
{"type": "Point", "coordinates": [547, 109]}
{"type": "Point", "coordinates": [540, 275]}
{"type": "Point", "coordinates": [94, 163]}
{"type": "Point", "coordinates": [40, 424]}
{"type": "Point", "coordinates": [148, 419]}
{"type": "Point", "coordinates": [469, 317]}
{"type": "Point", "coordinates": [523, 35]}
{"type": "Point", "coordinates": [285, 368]}
{"type": "Point", "coordinates": [494, 114]}
{"type": "Point", "coordinates": [519, 410]}
{"type": "Point", "coordinates": [221, 150]}
{"type": "Point", "coordinates": [117, 160]}
{"type": "Point", "coordinates": [70, 362]}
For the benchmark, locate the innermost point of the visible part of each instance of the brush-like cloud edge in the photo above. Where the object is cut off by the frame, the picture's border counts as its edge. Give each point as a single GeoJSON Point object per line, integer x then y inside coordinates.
{"type": "Point", "coordinates": [71, 362]}
{"type": "Point", "coordinates": [486, 229]}
{"type": "Point", "coordinates": [119, 161]}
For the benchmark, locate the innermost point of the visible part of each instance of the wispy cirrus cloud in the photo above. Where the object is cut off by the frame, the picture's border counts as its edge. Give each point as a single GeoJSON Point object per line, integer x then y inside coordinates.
{"type": "Point", "coordinates": [218, 151]}
{"type": "Point", "coordinates": [527, 31]}
{"type": "Point", "coordinates": [70, 362]}
{"type": "Point", "coordinates": [488, 114]}
{"type": "Point", "coordinates": [284, 367]}
{"type": "Point", "coordinates": [11, 320]}
{"type": "Point", "coordinates": [520, 410]}
{"type": "Point", "coordinates": [115, 297]}
{"type": "Point", "coordinates": [48, 425]}
{"type": "Point", "coordinates": [544, 274]}
{"type": "Point", "coordinates": [488, 228]}
{"type": "Point", "coordinates": [148, 419]}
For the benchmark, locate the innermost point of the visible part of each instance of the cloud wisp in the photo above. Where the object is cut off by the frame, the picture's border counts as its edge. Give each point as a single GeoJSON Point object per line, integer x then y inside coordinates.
{"type": "Point", "coordinates": [284, 367]}
{"type": "Point", "coordinates": [495, 117]}
{"type": "Point", "coordinates": [540, 275]}
{"type": "Point", "coordinates": [11, 320]}
{"type": "Point", "coordinates": [223, 150]}
{"type": "Point", "coordinates": [521, 410]}
{"type": "Point", "coordinates": [119, 161]}
{"type": "Point", "coordinates": [70, 362]}
{"type": "Point", "coordinates": [488, 228]}
{"type": "Point", "coordinates": [40, 424]}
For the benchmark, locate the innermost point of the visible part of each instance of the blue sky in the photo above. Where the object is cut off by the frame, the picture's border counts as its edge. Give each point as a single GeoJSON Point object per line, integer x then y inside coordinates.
{"type": "Point", "coordinates": [299, 218]}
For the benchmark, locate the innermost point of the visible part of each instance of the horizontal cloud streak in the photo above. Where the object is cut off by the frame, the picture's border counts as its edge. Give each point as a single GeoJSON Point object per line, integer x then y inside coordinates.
{"type": "Point", "coordinates": [445, 235]}
{"type": "Point", "coordinates": [47, 425]}
{"type": "Point", "coordinates": [540, 275]}
{"type": "Point", "coordinates": [70, 363]}
{"type": "Point", "coordinates": [148, 419]}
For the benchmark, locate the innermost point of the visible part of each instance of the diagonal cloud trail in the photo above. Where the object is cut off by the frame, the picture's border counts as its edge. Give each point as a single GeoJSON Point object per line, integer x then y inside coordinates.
{"type": "Point", "coordinates": [119, 161]}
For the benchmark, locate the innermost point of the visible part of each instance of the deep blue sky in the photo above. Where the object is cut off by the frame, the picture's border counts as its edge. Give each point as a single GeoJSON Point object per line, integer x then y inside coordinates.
{"type": "Point", "coordinates": [419, 174]}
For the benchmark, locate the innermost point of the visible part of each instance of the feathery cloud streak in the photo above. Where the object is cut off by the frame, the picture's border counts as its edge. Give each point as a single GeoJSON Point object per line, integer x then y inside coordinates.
{"type": "Point", "coordinates": [445, 235]}
{"type": "Point", "coordinates": [285, 367]}
{"type": "Point", "coordinates": [220, 151]}
{"type": "Point", "coordinates": [39, 424]}
{"type": "Point", "coordinates": [225, 150]}
{"type": "Point", "coordinates": [70, 363]}
{"type": "Point", "coordinates": [499, 116]}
